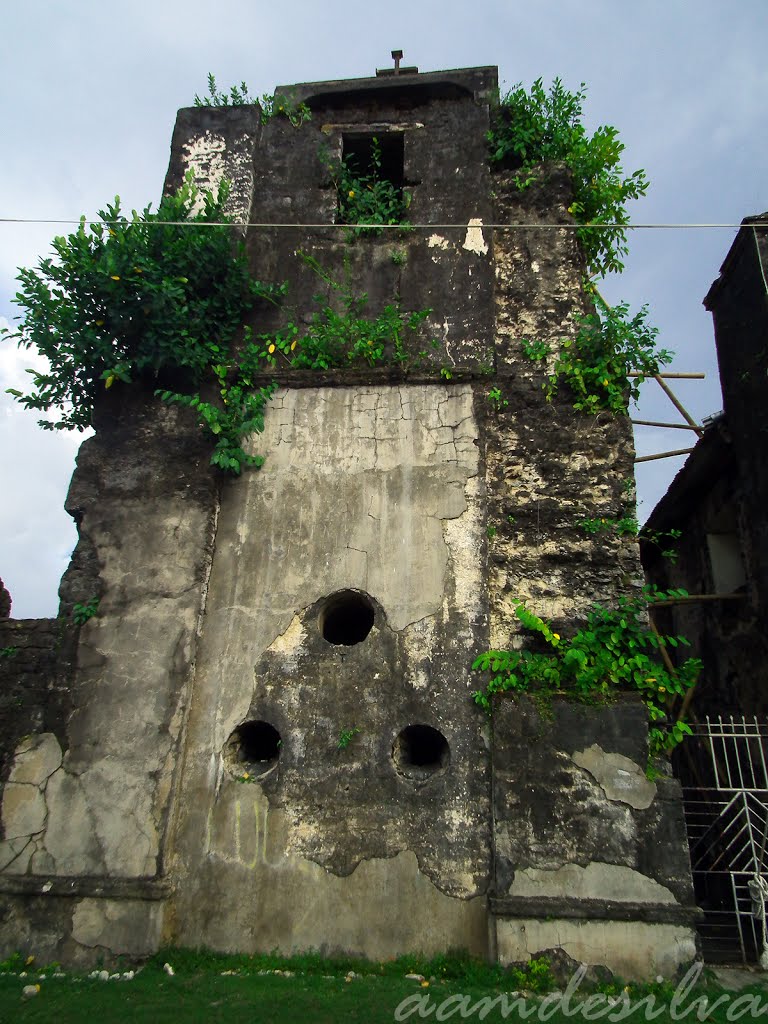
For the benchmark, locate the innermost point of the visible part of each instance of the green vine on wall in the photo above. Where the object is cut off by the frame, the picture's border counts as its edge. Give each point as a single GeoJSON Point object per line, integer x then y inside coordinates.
{"type": "Point", "coordinates": [162, 294]}
{"type": "Point", "coordinates": [278, 105]}
{"type": "Point", "coordinates": [342, 333]}
{"type": "Point", "coordinates": [134, 298]}
{"type": "Point", "coordinates": [614, 652]}
{"type": "Point", "coordinates": [596, 364]}
{"type": "Point", "coordinates": [367, 197]}
{"type": "Point", "coordinates": [530, 127]}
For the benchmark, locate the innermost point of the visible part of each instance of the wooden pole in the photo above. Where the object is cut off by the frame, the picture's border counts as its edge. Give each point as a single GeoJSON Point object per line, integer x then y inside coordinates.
{"type": "Point", "coordinates": [693, 598]}
{"type": "Point", "coordinates": [680, 408]}
{"type": "Point", "coordinates": [671, 426]}
{"type": "Point", "coordinates": [664, 455]}
{"type": "Point", "coordinates": [671, 376]}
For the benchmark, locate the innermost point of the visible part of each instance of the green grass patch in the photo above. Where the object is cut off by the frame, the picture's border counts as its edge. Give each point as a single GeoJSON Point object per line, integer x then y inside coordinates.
{"type": "Point", "coordinates": [270, 989]}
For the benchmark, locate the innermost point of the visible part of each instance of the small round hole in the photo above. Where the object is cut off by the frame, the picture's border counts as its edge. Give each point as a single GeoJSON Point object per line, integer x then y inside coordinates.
{"type": "Point", "coordinates": [347, 618]}
{"type": "Point", "coordinates": [253, 748]}
{"type": "Point", "coordinates": [420, 752]}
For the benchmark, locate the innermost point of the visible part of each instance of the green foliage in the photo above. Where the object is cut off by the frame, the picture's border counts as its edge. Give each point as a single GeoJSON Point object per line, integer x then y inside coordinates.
{"type": "Point", "coordinates": [536, 350]}
{"type": "Point", "coordinates": [236, 97]}
{"type": "Point", "coordinates": [81, 613]}
{"type": "Point", "coordinates": [495, 398]}
{"type": "Point", "coordinates": [628, 526]}
{"type": "Point", "coordinates": [490, 531]}
{"type": "Point", "coordinates": [126, 300]}
{"type": "Point", "coordinates": [452, 966]}
{"type": "Point", "coordinates": [346, 736]}
{"type": "Point", "coordinates": [597, 362]}
{"type": "Point", "coordinates": [531, 127]}
{"type": "Point", "coordinates": [368, 198]}
{"type": "Point", "coordinates": [278, 105]}
{"type": "Point", "coordinates": [281, 105]}
{"type": "Point", "coordinates": [9, 652]}
{"type": "Point", "coordinates": [625, 526]}
{"type": "Point", "coordinates": [664, 540]}
{"type": "Point", "coordinates": [341, 334]}
{"type": "Point", "coordinates": [615, 651]}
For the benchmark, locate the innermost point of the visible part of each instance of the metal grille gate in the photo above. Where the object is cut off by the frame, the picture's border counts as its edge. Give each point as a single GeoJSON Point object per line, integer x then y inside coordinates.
{"type": "Point", "coordinates": [724, 773]}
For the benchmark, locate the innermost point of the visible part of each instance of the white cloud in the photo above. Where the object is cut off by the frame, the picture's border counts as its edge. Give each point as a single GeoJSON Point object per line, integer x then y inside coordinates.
{"type": "Point", "coordinates": [35, 469]}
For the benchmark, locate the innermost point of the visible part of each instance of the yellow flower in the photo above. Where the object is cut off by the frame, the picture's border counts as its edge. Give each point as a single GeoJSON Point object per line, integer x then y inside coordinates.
{"type": "Point", "coordinates": [293, 345]}
{"type": "Point", "coordinates": [113, 233]}
{"type": "Point", "coordinates": [271, 349]}
{"type": "Point", "coordinates": [109, 381]}
{"type": "Point", "coordinates": [662, 689]}
{"type": "Point", "coordinates": [651, 679]}
{"type": "Point", "coordinates": [351, 193]}
{"type": "Point", "coordinates": [29, 960]}
{"type": "Point", "coordinates": [556, 636]}
{"type": "Point", "coordinates": [115, 277]}
{"type": "Point", "coordinates": [425, 984]}
{"type": "Point", "coordinates": [605, 382]}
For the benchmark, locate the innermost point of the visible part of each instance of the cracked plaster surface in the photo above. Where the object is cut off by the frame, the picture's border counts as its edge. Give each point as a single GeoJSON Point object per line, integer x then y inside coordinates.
{"type": "Point", "coordinates": [619, 777]}
{"type": "Point", "coordinates": [632, 949]}
{"type": "Point", "coordinates": [25, 808]}
{"type": "Point", "coordinates": [594, 881]}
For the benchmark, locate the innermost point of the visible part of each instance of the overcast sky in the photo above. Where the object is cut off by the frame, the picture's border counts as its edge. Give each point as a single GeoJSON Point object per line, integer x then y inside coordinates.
{"type": "Point", "coordinates": [88, 97]}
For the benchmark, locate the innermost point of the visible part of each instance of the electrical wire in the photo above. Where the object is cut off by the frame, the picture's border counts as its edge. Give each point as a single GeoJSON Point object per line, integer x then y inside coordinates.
{"type": "Point", "coordinates": [384, 227]}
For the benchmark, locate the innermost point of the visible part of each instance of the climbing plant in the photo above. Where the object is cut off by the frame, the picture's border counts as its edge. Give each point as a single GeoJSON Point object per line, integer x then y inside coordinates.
{"type": "Point", "coordinates": [127, 299]}
{"type": "Point", "coordinates": [278, 105]}
{"type": "Point", "coordinates": [609, 345]}
{"type": "Point", "coordinates": [341, 332]}
{"type": "Point", "coordinates": [367, 197]}
{"type": "Point", "coordinates": [615, 651]}
{"type": "Point", "coordinates": [163, 296]}
{"type": "Point", "coordinates": [536, 125]}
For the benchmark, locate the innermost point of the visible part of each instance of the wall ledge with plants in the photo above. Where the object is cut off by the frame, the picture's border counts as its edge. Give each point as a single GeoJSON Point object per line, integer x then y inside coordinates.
{"type": "Point", "coordinates": [616, 651]}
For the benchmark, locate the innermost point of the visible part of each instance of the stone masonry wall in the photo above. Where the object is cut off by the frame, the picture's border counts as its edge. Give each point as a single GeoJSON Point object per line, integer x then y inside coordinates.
{"type": "Point", "coordinates": [236, 774]}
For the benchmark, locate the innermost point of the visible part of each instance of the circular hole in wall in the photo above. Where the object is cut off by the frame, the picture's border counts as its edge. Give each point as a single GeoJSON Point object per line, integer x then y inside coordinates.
{"type": "Point", "coordinates": [347, 618]}
{"type": "Point", "coordinates": [420, 752]}
{"type": "Point", "coordinates": [253, 748]}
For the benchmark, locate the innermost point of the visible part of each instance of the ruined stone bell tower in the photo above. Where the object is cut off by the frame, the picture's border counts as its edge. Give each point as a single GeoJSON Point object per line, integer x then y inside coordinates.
{"type": "Point", "coordinates": [267, 737]}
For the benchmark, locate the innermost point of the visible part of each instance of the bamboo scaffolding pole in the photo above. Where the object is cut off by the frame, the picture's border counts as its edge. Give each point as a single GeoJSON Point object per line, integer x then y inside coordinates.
{"type": "Point", "coordinates": [664, 455]}
{"type": "Point", "coordinates": [678, 405]}
{"type": "Point", "coordinates": [671, 376]}
{"type": "Point", "coordinates": [694, 598]}
{"type": "Point", "coordinates": [671, 426]}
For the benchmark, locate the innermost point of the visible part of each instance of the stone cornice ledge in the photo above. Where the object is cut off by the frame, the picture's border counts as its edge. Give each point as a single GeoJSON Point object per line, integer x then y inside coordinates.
{"type": "Point", "coordinates": [94, 886]}
{"type": "Point", "coordinates": [593, 910]}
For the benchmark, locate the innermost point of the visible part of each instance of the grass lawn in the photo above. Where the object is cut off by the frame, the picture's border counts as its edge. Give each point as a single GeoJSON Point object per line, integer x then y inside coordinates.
{"type": "Point", "coordinates": [200, 992]}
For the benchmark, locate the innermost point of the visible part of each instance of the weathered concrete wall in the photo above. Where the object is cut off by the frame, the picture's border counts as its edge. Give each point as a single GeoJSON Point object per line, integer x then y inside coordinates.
{"type": "Point", "coordinates": [590, 856]}
{"type": "Point", "coordinates": [376, 491]}
{"type": "Point", "coordinates": [34, 695]}
{"type": "Point", "coordinates": [272, 741]}
{"type": "Point", "coordinates": [548, 466]}
{"type": "Point", "coordinates": [738, 301]}
{"type": "Point", "coordinates": [94, 796]}
{"type": "Point", "coordinates": [718, 502]}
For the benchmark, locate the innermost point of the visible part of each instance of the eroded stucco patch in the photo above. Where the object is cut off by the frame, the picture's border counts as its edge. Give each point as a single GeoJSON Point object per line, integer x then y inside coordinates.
{"type": "Point", "coordinates": [620, 778]}
{"type": "Point", "coordinates": [632, 949]}
{"type": "Point", "coordinates": [595, 881]}
{"type": "Point", "coordinates": [474, 240]}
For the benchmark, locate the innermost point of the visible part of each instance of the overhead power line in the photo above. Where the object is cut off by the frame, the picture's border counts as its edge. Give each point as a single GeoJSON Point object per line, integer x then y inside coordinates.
{"type": "Point", "coordinates": [383, 227]}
